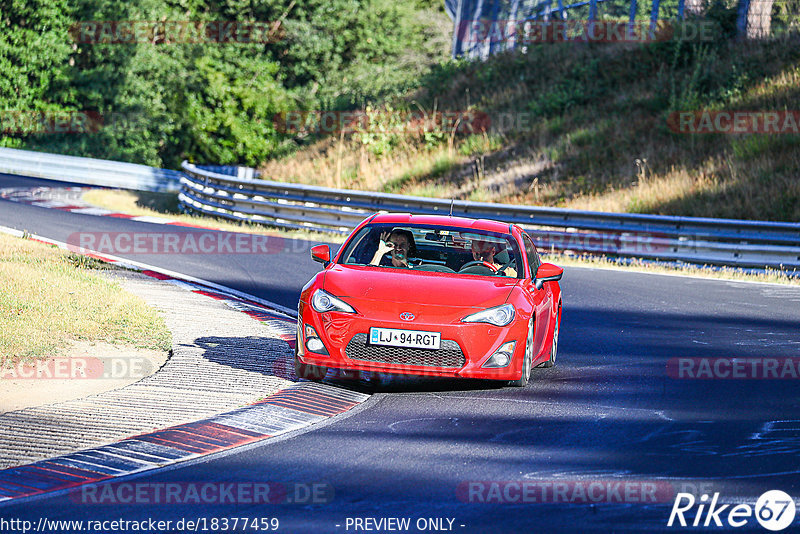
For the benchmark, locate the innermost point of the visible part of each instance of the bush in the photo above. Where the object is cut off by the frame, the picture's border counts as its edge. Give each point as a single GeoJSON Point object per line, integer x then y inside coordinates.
{"type": "Point", "coordinates": [205, 102]}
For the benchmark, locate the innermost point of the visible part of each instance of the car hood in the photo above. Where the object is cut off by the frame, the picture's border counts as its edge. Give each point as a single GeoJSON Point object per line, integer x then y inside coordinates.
{"type": "Point", "coordinates": [361, 284]}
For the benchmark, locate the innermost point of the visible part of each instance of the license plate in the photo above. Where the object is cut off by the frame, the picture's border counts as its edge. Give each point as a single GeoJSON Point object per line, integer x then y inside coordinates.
{"type": "Point", "coordinates": [413, 339]}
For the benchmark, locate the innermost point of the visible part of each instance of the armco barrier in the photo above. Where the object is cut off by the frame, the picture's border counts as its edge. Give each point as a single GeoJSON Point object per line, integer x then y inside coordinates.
{"type": "Point", "coordinates": [88, 171]}
{"type": "Point", "coordinates": [758, 244]}
{"type": "Point", "coordinates": [237, 193]}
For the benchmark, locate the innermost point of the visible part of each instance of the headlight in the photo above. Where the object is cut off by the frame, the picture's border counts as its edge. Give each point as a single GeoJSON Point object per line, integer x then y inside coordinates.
{"type": "Point", "coordinates": [499, 316]}
{"type": "Point", "coordinates": [322, 301]}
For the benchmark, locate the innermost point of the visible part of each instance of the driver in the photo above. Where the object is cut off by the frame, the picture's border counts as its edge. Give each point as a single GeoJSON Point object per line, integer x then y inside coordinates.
{"type": "Point", "coordinates": [485, 251]}
{"type": "Point", "coordinates": [400, 243]}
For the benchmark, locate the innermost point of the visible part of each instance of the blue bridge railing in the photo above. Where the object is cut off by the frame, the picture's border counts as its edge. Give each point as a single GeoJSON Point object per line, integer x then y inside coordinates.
{"type": "Point", "coordinates": [486, 27]}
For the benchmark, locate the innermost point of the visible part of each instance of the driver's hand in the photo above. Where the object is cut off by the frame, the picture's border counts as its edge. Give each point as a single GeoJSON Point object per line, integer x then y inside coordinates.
{"type": "Point", "coordinates": [510, 271]}
{"type": "Point", "coordinates": [384, 245]}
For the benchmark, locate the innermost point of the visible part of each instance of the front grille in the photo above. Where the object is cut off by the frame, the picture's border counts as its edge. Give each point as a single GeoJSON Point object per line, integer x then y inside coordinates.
{"type": "Point", "coordinates": [448, 355]}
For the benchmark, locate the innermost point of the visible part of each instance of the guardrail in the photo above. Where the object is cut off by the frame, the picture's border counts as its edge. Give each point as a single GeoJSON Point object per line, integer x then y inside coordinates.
{"type": "Point", "coordinates": [237, 193]}
{"type": "Point", "coordinates": [88, 171]}
{"type": "Point", "coordinates": [224, 192]}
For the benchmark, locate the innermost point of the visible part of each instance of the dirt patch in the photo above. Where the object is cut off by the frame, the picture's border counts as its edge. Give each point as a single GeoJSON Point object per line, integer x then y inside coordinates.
{"type": "Point", "coordinates": [85, 368]}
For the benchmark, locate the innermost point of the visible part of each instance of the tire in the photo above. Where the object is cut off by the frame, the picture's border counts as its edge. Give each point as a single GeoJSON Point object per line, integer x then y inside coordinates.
{"type": "Point", "coordinates": [527, 363]}
{"type": "Point", "coordinates": [554, 345]}
{"type": "Point", "coordinates": [308, 371]}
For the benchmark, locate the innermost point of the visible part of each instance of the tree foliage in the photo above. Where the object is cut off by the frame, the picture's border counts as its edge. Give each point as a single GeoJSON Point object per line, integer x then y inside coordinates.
{"type": "Point", "coordinates": [208, 102]}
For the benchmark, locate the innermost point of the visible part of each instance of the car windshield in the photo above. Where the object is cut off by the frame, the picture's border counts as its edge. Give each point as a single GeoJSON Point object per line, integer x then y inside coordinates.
{"type": "Point", "coordinates": [435, 249]}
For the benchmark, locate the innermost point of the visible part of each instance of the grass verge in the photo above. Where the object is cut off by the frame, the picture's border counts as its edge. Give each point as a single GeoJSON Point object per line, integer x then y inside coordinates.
{"type": "Point", "coordinates": [49, 297]}
{"type": "Point", "coordinates": [584, 127]}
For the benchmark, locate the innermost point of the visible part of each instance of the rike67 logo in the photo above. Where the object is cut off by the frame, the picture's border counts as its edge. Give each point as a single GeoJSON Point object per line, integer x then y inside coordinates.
{"type": "Point", "coordinates": [774, 510]}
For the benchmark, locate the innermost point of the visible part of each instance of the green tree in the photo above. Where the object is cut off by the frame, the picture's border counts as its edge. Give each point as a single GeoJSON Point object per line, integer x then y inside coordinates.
{"type": "Point", "coordinates": [34, 62]}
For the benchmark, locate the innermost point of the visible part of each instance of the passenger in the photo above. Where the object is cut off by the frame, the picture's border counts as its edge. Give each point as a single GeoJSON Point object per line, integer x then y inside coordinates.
{"type": "Point", "coordinates": [400, 243]}
{"type": "Point", "coordinates": [485, 251]}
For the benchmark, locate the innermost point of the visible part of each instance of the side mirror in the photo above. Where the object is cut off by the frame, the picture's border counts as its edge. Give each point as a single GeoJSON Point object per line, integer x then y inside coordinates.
{"type": "Point", "coordinates": [547, 273]}
{"type": "Point", "coordinates": [321, 253]}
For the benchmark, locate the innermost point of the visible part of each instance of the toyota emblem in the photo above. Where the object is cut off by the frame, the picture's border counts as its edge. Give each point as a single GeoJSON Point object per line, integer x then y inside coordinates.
{"type": "Point", "coordinates": [407, 316]}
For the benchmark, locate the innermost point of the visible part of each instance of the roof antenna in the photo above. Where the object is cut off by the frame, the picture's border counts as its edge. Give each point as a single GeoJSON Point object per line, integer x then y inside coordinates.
{"type": "Point", "coordinates": [452, 201]}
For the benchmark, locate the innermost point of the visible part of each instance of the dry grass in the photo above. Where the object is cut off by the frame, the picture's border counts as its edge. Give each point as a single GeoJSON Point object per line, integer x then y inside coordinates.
{"type": "Point", "coordinates": [135, 202]}
{"type": "Point", "coordinates": [49, 297]}
{"type": "Point", "coordinates": [752, 176]}
{"type": "Point", "coordinates": [589, 132]}
{"type": "Point", "coordinates": [349, 164]}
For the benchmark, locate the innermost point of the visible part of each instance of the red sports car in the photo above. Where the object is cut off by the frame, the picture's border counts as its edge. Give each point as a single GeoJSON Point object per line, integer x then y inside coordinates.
{"type": "Point", "coordinates": [430, 295]}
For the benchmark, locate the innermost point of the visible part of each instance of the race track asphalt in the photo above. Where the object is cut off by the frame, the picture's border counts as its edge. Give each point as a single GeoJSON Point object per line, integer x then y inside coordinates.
{"type": "Point", "coordinates": [608, 412]}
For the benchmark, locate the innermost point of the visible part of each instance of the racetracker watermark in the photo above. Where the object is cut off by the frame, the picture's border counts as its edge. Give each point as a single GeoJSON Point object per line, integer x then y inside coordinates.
{"type": "Point", "coordinates": [381, 121]}
{"type": "Point", "coordinates": [526, 31]}
{"type": "Point", "coordinates": [246, 492]}
{"type": "Point", "coordinates": [702, 368]}
{"type": "Point", "coordinates": [78, 368]}
{"type": "Point", "coordinates": [149, 524]}
{"type": "Point", "coordinates": [565, 491]}
{"type": "Point", "coordinates": [604, 243]}
{"type": "Point", "coordinates": [21, 122]}
{"type": "Point", "coordinates": [330, 122]}
{"type": "Point", "coordinates": [734, 122]}
{"type": "Point", "coordinates": [186, 242]}
{"type": "Point", "coordinates": [176, 32]}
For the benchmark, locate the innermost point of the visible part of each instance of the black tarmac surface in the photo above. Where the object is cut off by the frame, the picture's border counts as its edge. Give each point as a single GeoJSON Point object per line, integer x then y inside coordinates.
{"type": "Point", "coordinates": [612, 411]}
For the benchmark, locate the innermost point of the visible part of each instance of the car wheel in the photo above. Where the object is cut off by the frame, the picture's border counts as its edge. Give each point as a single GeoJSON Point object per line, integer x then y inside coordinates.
{"type": "Point", "coordinates": [308, 371]}
{"type": "Point", "coordinates": [527, 362]}
{"type": "Point", "coordinates": [553, 346]}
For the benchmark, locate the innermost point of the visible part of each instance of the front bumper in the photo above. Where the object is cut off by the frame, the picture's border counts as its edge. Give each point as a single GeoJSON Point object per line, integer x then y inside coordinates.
{"type": "Point", "coordinates": [465, 347]}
